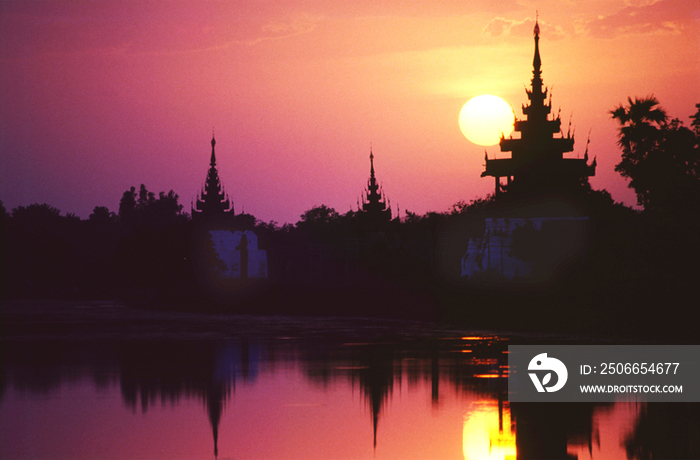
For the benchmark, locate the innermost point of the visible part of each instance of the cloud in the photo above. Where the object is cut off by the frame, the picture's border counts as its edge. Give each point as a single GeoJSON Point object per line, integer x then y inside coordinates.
{"type": "Point", "coordinates": [642, 17]}
{"type": "Point", "coordinates": [502, 27]}
{"type": "Point", "coordinates": [277, 29]}
{"type": "Point", "coordinates": [641, 3]}
{"type": "Point", "coordinates": [286, 28]}
{"type": "Point", "coordinates": [499, 26]}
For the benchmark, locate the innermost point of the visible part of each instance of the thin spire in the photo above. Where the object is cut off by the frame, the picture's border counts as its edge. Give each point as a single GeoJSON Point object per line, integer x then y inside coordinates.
{"type": "Point", "coordinates": [537, 96]}
{"type": "Point", "coordinates": [373, 199]}
{"type": "Point", "coordinates": [537, 61]}
{"type": "Point", "coordinates": [213, 199]}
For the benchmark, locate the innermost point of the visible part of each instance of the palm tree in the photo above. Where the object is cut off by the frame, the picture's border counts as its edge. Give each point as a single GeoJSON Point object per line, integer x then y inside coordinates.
{"type": "Point", "coordinates": [696, 121]}
{"type": "Point", "coordinates": [642, 126]}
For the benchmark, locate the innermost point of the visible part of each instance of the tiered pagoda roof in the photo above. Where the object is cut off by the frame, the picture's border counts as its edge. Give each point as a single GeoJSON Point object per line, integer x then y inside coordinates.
{"type": "Point", "coordinates": [374, 204]}
{"type": "Point", "coordinates": [537, 161]}
{"type": "Point", "coordinates": [212, 200]}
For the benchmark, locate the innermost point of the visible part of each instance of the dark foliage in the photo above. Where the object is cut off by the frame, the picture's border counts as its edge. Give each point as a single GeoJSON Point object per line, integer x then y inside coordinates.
{"type": "Point", "coordinates": [615, 271]}
{"type": "Point", "coordinates": [660, 157]}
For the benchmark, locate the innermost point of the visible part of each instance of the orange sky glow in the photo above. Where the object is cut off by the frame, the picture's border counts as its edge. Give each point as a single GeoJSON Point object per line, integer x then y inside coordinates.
{"type": "Point", "coordinates": [97, 97]}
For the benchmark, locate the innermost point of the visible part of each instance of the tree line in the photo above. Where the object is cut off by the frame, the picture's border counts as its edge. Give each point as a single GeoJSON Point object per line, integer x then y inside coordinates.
{"type": "Point", "coordinates": [144, 250]}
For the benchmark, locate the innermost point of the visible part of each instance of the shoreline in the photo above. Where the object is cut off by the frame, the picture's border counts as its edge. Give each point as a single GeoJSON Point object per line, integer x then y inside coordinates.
{"type": "Point", "coordinates": [111, 320]}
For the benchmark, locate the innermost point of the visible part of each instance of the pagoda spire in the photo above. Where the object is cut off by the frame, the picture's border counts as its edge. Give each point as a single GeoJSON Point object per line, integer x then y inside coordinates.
{"type": "Point", "coordinates": [212, 199]}
{"type": "Point", "coordinates": [537, 108]}
{"type": "Point", "coordinates": [537, 159]}
{"type": "Point", "coordinates": [374, 205]}
{"type": "Point", "coordinates": [537, 61]}
{"type": "Point", "coordinates": [374, 197]}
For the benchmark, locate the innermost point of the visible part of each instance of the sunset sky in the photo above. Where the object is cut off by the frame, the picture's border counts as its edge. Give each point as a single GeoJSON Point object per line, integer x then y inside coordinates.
{"type": "Point", "coordinates": [99, 96]}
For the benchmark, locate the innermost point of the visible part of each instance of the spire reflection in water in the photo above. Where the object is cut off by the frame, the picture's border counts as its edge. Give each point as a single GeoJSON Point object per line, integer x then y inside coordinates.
{"type": "Point", "coordinates": [353, 395]}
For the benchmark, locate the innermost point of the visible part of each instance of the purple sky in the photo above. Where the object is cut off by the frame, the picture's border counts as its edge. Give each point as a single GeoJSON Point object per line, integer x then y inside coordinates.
{"type": "Point", "coordinates": [101, 96]}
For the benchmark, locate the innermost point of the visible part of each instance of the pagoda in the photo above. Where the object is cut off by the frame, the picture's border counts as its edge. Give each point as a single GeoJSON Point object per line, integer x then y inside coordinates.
{"type": "Point", "coordinates": [212, 200]}
{"type": "Point", "coordinates": [374, 209]}
{"type": "Point", "coordinates": [537, 163]}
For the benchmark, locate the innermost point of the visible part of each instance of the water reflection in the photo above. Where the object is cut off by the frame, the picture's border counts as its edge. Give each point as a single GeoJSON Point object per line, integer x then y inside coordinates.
{"type": "Point", "coordinates": [611, 424]}
{"type": "Point", "coordinates": [168, 370]}
{"type": "Point", "coordinates": [293, 398]}
{"type": "Point", "coordinates": [488, 431]}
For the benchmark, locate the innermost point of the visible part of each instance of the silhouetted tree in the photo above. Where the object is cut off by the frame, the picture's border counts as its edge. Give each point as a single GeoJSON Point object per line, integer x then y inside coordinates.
{"type": "Point", "coordinates": [320, 223]}
{"type": "Point", "coordinates": [99, 240]}
{"type": "Point", "coordinates": [476, 204]}
{"type": "Point", "coordinates": [146, 198]}
{"type": "Point", "coordinates": [269, 227]}
{"type": "Point", "coordinates": [42, 256]}
{"type": "Point", "coordinates": [102, 215]}
{"type": "Point", "coordinates": [145, 208]}
{"type": "Point", "coordinates": [244, 220]}
{"type": "Point", "coordinates": [661, 158]}
{"type": "Point", "coordinates": [152, 258]}
{"type": "Point", "coordinates": [641, 124]}
{"type": "Point", "coordinates": [318, 215]}
{"type": "Point", "coordinates": [165, 209]}
{"type": "Point", "coordinates": [696, 121]}
{"type": "Point", "coordinates": [127, 205]}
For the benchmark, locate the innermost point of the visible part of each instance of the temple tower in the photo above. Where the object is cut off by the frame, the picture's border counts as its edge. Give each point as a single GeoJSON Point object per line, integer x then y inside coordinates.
{"type": "Point", "coordinates": [374, 209]}
{"type": "Point", "coordinates": [537, 162]}
{"type": "Point", "coordinates": [212, 200]}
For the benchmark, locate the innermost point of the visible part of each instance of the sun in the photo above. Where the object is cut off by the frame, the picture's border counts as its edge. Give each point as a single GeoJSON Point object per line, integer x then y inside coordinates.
{"type": "Point", "coordinates": [484, 118]}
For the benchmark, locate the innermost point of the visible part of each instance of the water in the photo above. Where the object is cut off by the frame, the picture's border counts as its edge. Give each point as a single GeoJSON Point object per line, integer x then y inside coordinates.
{"type": "Point", "coordinates": [110, 382]}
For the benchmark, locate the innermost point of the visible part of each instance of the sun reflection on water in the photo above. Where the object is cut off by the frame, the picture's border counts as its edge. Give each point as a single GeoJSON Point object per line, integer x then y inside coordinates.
{"type": "Point", "coordinates": [488, 433]}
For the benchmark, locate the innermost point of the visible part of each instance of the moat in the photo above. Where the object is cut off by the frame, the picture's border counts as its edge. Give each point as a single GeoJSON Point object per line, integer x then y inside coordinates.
{"type": "Point", "coordinates": [102, 380]}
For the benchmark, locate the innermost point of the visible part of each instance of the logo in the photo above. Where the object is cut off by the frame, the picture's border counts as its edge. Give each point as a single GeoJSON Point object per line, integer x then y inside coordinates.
{"type": "Point", "coordinates": [542, 363]}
